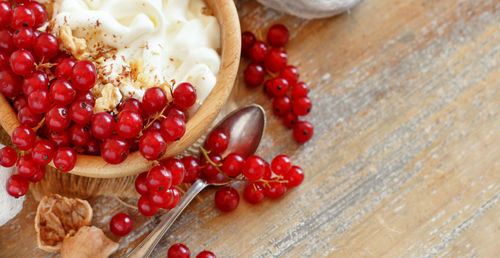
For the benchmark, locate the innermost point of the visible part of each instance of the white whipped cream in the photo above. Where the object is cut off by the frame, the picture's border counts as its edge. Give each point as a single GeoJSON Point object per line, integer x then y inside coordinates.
{"type": "Point", "coordinates": [144, 43]}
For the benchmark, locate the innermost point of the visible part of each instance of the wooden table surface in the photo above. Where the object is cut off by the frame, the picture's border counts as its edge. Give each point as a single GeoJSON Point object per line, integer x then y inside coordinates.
{"type": "Point", "coordinates": [405, 160]}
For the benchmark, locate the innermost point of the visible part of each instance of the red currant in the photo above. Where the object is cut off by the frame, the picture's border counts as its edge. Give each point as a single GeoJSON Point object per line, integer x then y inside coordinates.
{"type": "Point", "coordinates": [193, 170]}
{"type": "Point", "coordinates": [10, 84]}
{"type": "Point", "coordinates": [35, 81]}
{"type": "Point", "coordinates": [23, 137]}
{"type": "Point", "coordinates": [290, 73]}
{"type": "Point", "coordinates": [5, 14]}
{"type": "Point", "coordinates": [278, 86]}
{"type": "Point", "coordinates": [6, 43]}
{"type": "Point", "coordinates": [299, 90]}
{"type": "Point", "coordinates": [301, 106]}
{"type": "Point", "coordinates": [23, 38]}
{"type": "Point", "coordinates": [81, 112]}
{"type": "Point", "coordinates": [129, 124]}
{"type": "Point", "coordinates": [131, 104]}
{"type": "Point", "coordinates": [22, 62]}
{"type": "Point", "coordinates": [178, 251]}
{"type": "Point", "coordinates": [22, 17]}
{"type": "Point", "coordinates": [43, 152]}
{"type": "Point", "coordinates": [84, 75]}
{"type": "Point", "coordinates": [233, 164]}
{"type": "Point", "coordinates": [152, 145]}
{"type": "Point", "coordinates": [173, 110]}
{"type": "Point", "coordinates": [26, 167]}
{"type": "Point", "coordinates": [247, 40]}
{"type": "Point", "coordinates": [59, 139]}
{"type": "Point", "coordinates": [46, 46]}
{"type": "Point", "coordinates": [93, 147]}
{"type": "Point", "coordinates": [205, 254]}
{"type": "Point", "coordinates": [17, 186]}
{"type": "Point", "coordinates": [275, 60]}
{"type": "Point", "coordinates": [26, 117]}
{"type": "Point", "coordinates": [172, 128]}
{"type": "Point", "coordinates": [120, 224]}
{"type": "Point", "coordinates": [217, 141]}
{"type": "Point", "coordinates": [65, 159]}
{"type": "Point", "coordinates": [57, 119]}
{"type": "Point", "coordinates": [282, 105]}
{"type": "Point", "coordinates": [39, 175]}
{"type": "Point", "coordinates": [154, 100]}
{"type": "Point", "coordinates": [19, 102]}
{"type": "Point", "coordinates": [159, 178]}
{"type": "Point", "coordinates": [102, 125]}
{"type": "Point", "coordinates": [175, 197]}
{"type": "Point", "coordinates": [39, 12]}
{"type": "Point", "coordinates": [303, 131]}
{"type": "Point", "coordinates": [184, 95]}
{"type": "Point", "coordinates": [275, 190]}
{"type": "Point", "coordinates": [209, 170]}
{"type": "Point", "coordinates": [140, 183]}
{"type": "Point", "coordinates": [258, 52]}
{"type": "Point", "coordinates": [176, 168]}
{"type": "Point", "coordinates": [277, 35]}
{"type": "Point", "coordinates": [253, 193]}
{"type": "Point", "coordinates": [281, 164]}
{"type": "Point", "coordinates": [160, 198]}
{"type": "Point", "coordinates": [79, 135]}
{"type": "Point", "coordinates": [64, 68]}
{"type": "Point", "coordinates": [145, 207]}
{"type": "Point", "coordinates": [254, 75]}
{"type": "Point", "coordinates": [114, 149]}
{"type": "Point", "coordinates": [86, 96]}
{"type": "Point", "coordinates": [39, 101]}
{"type": "Point", "coordinates": [254, 168]}
{"type": "Point", "coordinates": [295, 177]}
{"type": "Point", "coordinates": [8, 156]}
{"type": "Point", "coordinates": [227, 199]}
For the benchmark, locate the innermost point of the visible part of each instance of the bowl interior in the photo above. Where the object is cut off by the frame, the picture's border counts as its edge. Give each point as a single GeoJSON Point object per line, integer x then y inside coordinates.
{"type": "Point", "coordinates": [95, 166]}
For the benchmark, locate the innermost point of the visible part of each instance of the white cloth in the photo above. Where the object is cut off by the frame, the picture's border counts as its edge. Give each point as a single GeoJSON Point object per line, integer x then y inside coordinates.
{"type": "Point", "coordinates": [311, 9]}
{"type": "Point", "coordinates": [9, 206]}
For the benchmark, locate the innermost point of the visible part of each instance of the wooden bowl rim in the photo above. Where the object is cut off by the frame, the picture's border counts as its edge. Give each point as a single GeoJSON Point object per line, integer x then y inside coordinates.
{"type": "Point", "coordinates": [96, 167]}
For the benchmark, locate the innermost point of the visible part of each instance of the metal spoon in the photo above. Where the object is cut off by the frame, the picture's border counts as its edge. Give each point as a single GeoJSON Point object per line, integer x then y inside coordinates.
{"type": "Point", "coordinates": [244, 128]}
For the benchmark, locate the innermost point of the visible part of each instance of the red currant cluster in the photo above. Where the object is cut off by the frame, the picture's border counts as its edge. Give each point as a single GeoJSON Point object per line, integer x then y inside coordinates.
{"type": "Point", "coordinates": [50, 91]}
{"type": "Point", "coordinates": [182, 251]}
{"type": "Point", "coordinates": [289, 96]}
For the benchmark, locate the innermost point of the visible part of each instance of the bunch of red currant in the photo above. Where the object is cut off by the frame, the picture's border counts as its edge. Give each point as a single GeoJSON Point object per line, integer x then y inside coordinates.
{"type": "Point", "coordinates": [289, 96]}
{"type": "Point", "coordinates": [182, 251]}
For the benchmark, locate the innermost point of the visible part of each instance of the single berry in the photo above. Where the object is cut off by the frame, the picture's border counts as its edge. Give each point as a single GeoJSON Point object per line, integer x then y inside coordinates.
{"type": "Point", "coordinates": [130, 104]}
{"type": "Point", "coordinates": [205, 254]}
{"type": "Point", "coordinates": [140, 183]}
{"type": "Point", "coordinates": [258, 52]}
{"type": "Point", "coordinates": [23, 38]}
{"type": "Point", "coordinates": [26, 167]}
{"type": "Point", "coordinates": [254, 75]}
{"type": "Point", "coordinates": [281, 164]}
{"type": "Point", "coordinates": [23, 137]}
{"type": "Point", "coordinates": [46, 46]}
{"type": "Point", "coordinates": [178, 251]}
{"type": "Point", "coordinates": [39, 175]}
{"type": "Point", "coordinates": [282, 105]}
{"type": "Point", "coordinates": [145, 207]}
{"type": "Point", "coordinates": [227, 199]}
{"type": "Point", "coordinates": [26, 117]}
{"type": "Point", "coordinates": [172, 128]}
{"type": "Point", "coordinates": [184, 95]}
{"type": "Point", "coordinates": [39, 12]}
{"type": "Point", "coordinates": [152, 145]}
{"type": "Point", "coordinates": [192, 167]}
{"type": "Point", "coordinates": [208, 169]}
{"type": "Point", "coordinates": [22, 17]}
{"type": "Point", "coordinates": [120, 224]}
{"type": "Point", "coordinates": [301, 106]}
{"type": "Point", "coordinates": [217, 141]}
{"type": "Point", "coordinates": [175, 197]}
{"type": "Point", "coordinates": [233, 164]}
{"type": "Point", "coordinates": [84, 75]}
{"type": "Point", "coordinates": [277, 35]}
{"type": "Point", "coordinates": [43, 152]}
{"type": "Point", "coordinates": [5, 13]}
{"type": "Point", "coordinates": [173, 110]}
{"type": "Point", "coordinates": [64, 68]}
{"type": "Point", "coordinates": [159, 178]}
{"type": "Point", "coordinates": [65, 159]}
{"type": "Point", "coordinates": [176, 168]}
{"type": "Point", "coordinates": [57, 119]}
{"type": "Point", "coordinates": [8, 156]}
{"type": "Point", "coordinates": [36, 80]}
{"type": "Point", "coordinates": [290, 73]}
{"type": "Point", "coordinates": [278, 87]}
{"type": "Point", "coordinates": [294, 177]}
{"type": "Point", "coordinates": [114, 149]}
{"type": "Point", "coordinates": [10, 84]}
{"type": "Point", "coordinates": [154, 100]}
{"type": "Point", "coordinates": [86, 96]}
{"type": "Point", "coordinates": [303, 131]}
{"type": "Point", "coordinates": [81, 112]}
{"type": "Point", "coordinates": [275, 190]}
{"type": "Point", "coordinates": [275, 60]}
{"type": "Point", "coordinates": [160, 198]}
{"type": "Point", "coordinates": [22, 62]}
{"type": "Point", "coordinates": [39, 101]}
{"type": "Point", "coordinates": [129, 124]}
{"type": "Point", "coordinates": [254, 168]}
{"type": "Point", "coordinates": [102, 125]}
{"type": "Point", "coordinates": [253, 193]}
{"type": "Point", "coordinates": [17, 186]}
{"type": "Point", "coordinates": [59, 139]}
{"type": "Point", "coordinates": [299, 90]}
{"type": "Point", "coordinates": [79, 135]}
{"type": "Point", "coordinates": [247, 40]}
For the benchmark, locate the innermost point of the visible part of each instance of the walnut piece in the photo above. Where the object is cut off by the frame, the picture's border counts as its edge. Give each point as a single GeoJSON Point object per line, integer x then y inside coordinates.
{"type": "Point", "coordinates": [58, 217]}
{"type": "Point", "coordinates": [88, 242]}
{"type": "Point", "coordinates": [77, 46]}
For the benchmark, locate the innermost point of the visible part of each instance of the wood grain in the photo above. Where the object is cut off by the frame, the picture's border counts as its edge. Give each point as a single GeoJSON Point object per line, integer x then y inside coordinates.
{"type": "Point", "coordinates": [405, 157]}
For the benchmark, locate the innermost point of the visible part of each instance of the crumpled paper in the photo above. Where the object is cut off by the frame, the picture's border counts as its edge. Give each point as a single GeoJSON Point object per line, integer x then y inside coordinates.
{"type": "Point", "coordinates": [311, 9]}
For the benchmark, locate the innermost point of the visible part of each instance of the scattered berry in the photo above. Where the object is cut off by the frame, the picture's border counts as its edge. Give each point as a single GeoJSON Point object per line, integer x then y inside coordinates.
{"type": "Point", "coordinates": [227, 199]}
{"type": "Point", "coordinates": [8, 156]}
{"type": "Point", "coordinates": [277, 35]}
{"type": "Point", "coordinates": [303, 131]}
{"type": "Point", "coordinates": [120, 224]}
{"type": "Point", "coordinates": [178, 251]}
{"type": "Point", "coordinates": [205, 254]}
{"type": "Point", "coordinates": [184, 95]}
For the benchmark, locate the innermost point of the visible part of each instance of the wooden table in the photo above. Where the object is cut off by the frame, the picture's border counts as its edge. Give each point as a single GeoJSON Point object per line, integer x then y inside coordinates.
{"type": "Point", "coordinates": [405, 160]}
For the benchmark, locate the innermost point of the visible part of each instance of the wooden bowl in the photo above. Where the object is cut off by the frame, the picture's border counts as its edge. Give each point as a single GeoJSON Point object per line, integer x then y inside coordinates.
{"type": "Point", "coordinates": [95, 166]}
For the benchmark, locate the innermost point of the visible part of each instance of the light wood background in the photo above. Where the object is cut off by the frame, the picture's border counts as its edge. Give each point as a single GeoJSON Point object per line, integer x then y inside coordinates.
{"type": "Point", "coordinates": [405, 160]}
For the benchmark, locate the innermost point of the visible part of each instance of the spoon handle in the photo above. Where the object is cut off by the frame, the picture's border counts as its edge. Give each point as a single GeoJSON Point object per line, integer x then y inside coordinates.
{"type": "Point", "coordinates": [146, 247]}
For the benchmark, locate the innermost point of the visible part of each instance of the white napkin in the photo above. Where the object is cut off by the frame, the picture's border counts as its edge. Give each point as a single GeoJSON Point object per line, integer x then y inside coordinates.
{"type": "Point", "coordinates": [9, 206]}
{"type": "Point", "coordinates": [311, 9]}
